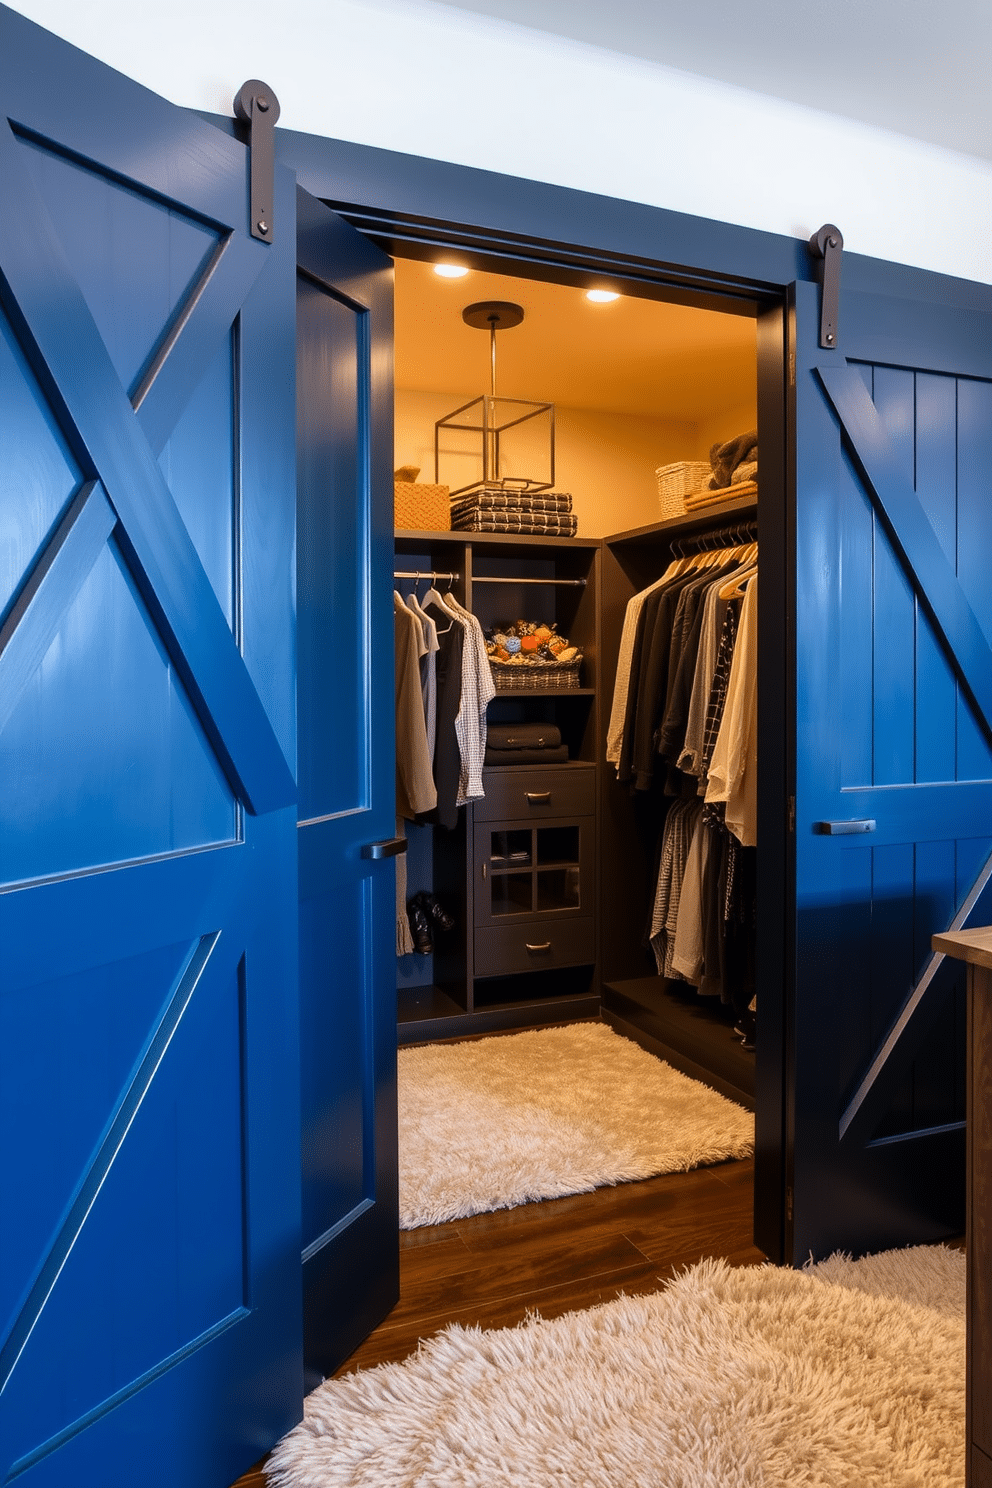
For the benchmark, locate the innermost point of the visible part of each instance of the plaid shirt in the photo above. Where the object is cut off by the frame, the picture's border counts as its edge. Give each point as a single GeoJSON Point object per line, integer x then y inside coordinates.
{"type": "Point", "coordinates": [721, 679]}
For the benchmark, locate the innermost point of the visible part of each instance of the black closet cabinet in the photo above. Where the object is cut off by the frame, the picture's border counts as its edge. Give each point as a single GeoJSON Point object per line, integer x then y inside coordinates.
{"type": "Point", "coordinates": [519, 871]}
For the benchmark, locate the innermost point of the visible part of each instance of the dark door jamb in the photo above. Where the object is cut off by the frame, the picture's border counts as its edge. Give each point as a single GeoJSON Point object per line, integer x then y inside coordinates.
{"type": "Point", "coordinates": [492, 252]}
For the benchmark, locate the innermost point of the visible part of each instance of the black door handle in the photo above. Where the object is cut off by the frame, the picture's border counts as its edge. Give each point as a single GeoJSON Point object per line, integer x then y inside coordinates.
{"type": "Point", "coordinates": [844, 828]}
{"type": "Point", "coordinates": [391, 848]}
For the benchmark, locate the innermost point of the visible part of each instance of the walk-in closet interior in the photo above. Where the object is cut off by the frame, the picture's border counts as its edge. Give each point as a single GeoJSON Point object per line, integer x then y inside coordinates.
{"type": "Point", "coordinates": [586, 872]}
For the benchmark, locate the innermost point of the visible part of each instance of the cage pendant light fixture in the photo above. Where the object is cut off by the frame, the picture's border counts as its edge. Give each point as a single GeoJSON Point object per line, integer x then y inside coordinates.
{"type": "Point", "coordinates": [493, 442]}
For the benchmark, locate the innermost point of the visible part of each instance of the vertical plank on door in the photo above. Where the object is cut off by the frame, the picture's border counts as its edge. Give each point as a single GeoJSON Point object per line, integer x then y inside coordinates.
{"type": "Point", "coordinates": [936, 475]}
{"type": "Point", "coordinates": [895, 607]}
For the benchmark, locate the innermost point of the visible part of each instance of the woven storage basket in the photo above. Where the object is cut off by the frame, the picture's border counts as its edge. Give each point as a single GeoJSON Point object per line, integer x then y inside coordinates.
{"type": "Point", "coordinates": [534, 675]}
{"type": "Point", "coordinates": [420, 507]}
{"type": "Point", "coordinates": [676, 481]}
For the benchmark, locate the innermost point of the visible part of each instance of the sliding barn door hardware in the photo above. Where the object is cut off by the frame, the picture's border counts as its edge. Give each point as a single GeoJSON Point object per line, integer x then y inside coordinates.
{"type": "Point", "coordinates": [257, 106]}
{"type": "Point", "coordinates": [828, 245]}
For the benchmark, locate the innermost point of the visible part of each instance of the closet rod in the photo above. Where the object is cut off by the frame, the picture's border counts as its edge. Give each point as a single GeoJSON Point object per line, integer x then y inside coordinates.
{"type": "Point", "coordinates": [425, 573]}
{"type": "Point", "coordinates": [700, 541]}
{"type": "Point", "coordinates": [487, 579]}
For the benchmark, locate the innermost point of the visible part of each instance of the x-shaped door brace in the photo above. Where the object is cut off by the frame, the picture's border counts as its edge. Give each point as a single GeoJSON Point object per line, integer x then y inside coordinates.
{"type": "Point", "coordinates": [130, 498]}
{"type": "Point", "coordinates": [940, 591]}
{"type": "Point", "coordinates": [212, 955]}
{"type": "Point", "coordinates": [912, 534]}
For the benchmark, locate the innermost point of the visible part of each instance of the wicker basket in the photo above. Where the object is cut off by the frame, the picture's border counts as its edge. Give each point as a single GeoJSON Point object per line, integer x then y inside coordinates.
{"type": "Point", "coordinates": [534, 676]}
{"type": "Point", "coordinates": [676, 481]}
{"type": "Point", "coordinates": [420, 507]}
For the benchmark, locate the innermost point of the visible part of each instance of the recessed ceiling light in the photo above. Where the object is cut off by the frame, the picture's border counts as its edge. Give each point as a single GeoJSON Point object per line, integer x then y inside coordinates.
{"type": "Point", "coordinates": [602, 296]}
{"type": "Point", "coordinates": [450, 271]}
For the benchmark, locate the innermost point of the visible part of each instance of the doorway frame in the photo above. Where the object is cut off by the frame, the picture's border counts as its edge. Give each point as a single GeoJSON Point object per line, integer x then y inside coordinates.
{"type": "Point", "coordinates": [411, 206]}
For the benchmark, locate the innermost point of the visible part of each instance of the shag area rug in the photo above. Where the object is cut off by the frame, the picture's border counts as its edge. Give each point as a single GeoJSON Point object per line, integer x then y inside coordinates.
{"type": "Point", "coordinates": [496, 1122]}
{"type": "Point", "coordinates": [848, 1375]}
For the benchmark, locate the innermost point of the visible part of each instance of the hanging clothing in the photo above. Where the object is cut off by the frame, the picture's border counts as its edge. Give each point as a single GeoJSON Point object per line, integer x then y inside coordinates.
{"type": "Point", "coordinates": [649, 676]}
{"type": "Point", "coordinates": [428, 668]}
{"type": "Point", "coordinates": [684, 705]}
{"type": "Point", "coordinates": [478, 688]}
{"type": "Point", "coordinates": [733, 771]}
{"type": "Point", "coordinates": [415, 790]}
{"type": "Point", "coordinates": [683, 651]}
{"type": "Point", "coordinates": [447, 754]}
{"type": "Point", "coordinates": [721, 679]}
{"type": "Point", "coordinates": [680, 824]}
{"type": "Point", "coordinates": [690, 761]}
{"type": "Point", "coordinates": [688, 944]}
{"type": "Point", "coordinates": [621, 684]}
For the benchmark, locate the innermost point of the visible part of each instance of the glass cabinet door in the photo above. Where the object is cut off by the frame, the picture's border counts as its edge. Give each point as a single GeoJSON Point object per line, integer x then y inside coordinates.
{"type": "Point", "coordinates": [527, 869]}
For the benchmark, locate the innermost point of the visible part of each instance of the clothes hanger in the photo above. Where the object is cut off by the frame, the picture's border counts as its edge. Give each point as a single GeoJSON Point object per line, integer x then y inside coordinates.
{"type": "Point", "coordinates": [435, 598]}
{"type": "Point", "coordinates": [735, 586]}
{"type": "Point", "coordinates": [685, 561]}
{"type": "Point", "coordinates": [413, 599]}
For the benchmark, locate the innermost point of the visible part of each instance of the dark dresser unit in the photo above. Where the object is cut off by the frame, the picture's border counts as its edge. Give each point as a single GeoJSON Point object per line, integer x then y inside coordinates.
{"type": "Point", "coordinates": [519, 872]}
{"type": "Point", "coordinates": [535, 870]}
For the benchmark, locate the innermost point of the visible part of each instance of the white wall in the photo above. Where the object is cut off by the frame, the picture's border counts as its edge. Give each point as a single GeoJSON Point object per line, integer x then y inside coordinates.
{"type": "Point", "coordinates": [422, 78]}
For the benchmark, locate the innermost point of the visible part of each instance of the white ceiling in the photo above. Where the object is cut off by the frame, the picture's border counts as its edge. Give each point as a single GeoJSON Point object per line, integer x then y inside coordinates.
{"type": "Point", "coordinates": [913, 66]}
{"type": "Point", "coordinates": [633, 356]}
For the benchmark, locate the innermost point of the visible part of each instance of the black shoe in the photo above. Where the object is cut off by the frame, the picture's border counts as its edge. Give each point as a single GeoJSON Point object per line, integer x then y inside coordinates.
{"type": "Point", "coordinates": [435, 912]}
{"type": "Point", "coordinates": [419, 929]}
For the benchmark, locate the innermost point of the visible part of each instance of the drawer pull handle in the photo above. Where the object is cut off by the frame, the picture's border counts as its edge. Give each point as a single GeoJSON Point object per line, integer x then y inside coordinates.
{"type": "Point", "coordinates": [544, 946]}
{"type": "Point", "coordinates": [538, 798]}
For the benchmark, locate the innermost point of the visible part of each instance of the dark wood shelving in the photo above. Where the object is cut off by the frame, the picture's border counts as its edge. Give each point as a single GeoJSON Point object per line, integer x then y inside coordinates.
{"type": "Point", "coordinates": [478, 981]}
{"type": "Point", "coordinates": [415, 1004]}
{"type": "Point", "coordinates": [693, 1033]}
{"type": "Point", "coordinates": [544, 692]}
{"type": "Point", "coordinates": [570, 764]}
{"type": "Point", "coordinates": [496, 1017]}
{"type": "Point", "coordinates": [719, 515]}
{"type": "Point", "coordinates": [405, 536]}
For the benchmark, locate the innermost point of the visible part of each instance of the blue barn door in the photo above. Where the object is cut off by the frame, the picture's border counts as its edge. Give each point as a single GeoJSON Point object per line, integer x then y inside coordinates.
{"type": "Point", "coordinates": [347, 790]}
{"type": "Point", "coordinates": [150, 1318]}
{"type": "Point", "coordinates": [893, 808]}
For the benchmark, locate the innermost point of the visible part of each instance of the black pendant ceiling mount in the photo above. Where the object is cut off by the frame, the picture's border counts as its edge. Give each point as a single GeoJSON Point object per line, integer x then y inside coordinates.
{"type": "Point", "coordinates": [493, 315]}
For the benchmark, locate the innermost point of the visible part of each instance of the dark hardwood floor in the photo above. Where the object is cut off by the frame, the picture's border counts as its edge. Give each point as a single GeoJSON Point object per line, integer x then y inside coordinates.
{"type": "Point", "coordinates": [552, 1257]}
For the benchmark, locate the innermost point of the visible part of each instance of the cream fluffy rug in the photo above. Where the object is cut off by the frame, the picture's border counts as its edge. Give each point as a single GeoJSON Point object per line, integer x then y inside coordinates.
{"type": "Point", "coordinates": [850, 1375]}
{"type": "Point", "coordinates": [493, 1123]}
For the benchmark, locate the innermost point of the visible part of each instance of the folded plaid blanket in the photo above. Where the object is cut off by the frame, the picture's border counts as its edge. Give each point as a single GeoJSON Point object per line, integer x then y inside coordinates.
{"type": "Point", "coordinates": [531, 524]}
{"type": "Point", "coordinates": [521, 501]}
